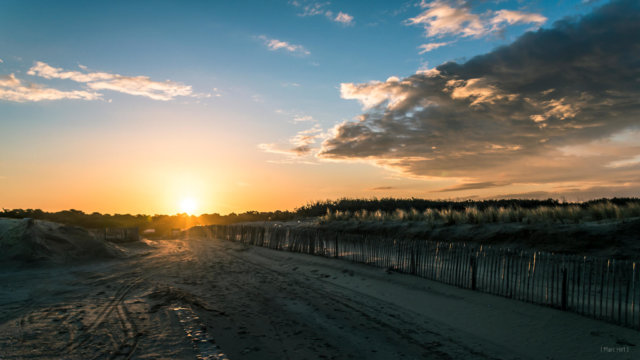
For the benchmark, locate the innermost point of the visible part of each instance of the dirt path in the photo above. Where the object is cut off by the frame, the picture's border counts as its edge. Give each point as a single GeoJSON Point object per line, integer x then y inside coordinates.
{"type": "Point", "coordinates": [209, 299]}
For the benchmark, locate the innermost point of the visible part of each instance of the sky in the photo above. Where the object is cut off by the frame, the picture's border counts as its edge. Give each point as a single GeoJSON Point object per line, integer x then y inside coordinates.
{"type": "Point", "coordinates": [139, 107]}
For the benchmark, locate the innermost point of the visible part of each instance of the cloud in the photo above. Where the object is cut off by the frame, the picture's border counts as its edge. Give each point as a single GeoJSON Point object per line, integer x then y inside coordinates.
{"type": "Point", "coordinates": [343, 18]}
{"type": "Point", "coordinates": [296, 116]}
{"type": "Point", "coordinates": [275, 44]}
{"type": "Point", "coordinates": [291, 156]}
{"type": "Point", "coordinates": [509, 116]}
{"type": "Point", "coordinates": [314, 8]}
{"type": "Point", "coordinates": [257, 98]}
{"type": "Point", "coordinates": [302, 118]}
{"type": "Point", "coordinates": [432, 46]}
{"type": "Point", "coordinates": [471, 186]}
{"type": "Point", "coordinates": [49, 72]}
{"type": "Point", "coordinates": [516, 17]}
{"type": "Point", "coordinates": [381, 188]}
{"type": "Point", "coordinates": [216, 93]}
{"type": "Point", "coordinates": [478, 91]}
{"type": "Point", "coordinates": [576, 194]}
{"type": "Point", "coordinates": [132, 85]}
{"type": "Point", "coordinates": [311, 9]}
{"type": "Point", "coordinates": [440, 18]}
{"type": "Point", "coordinates": [142, 86]}
{"type": "Point", "coordinates": [13, 89]}
{"type": "Point", "coordinates": [625, 162]}
{"type": "Point", "coordinates": [273, 149]}
{"type": "Point", "coordinates": [9, 81]}
{"type": "Point", "coordinates": [444, 18]}
{"type": "Point", "coordinates": [374, 93]}
{"type": "Point", "coordinates": [300, 145]}
{"type": "Point", "coordinates": [303, 140]}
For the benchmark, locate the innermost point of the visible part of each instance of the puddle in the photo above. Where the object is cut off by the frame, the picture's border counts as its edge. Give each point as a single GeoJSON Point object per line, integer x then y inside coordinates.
{"type": "Point", "coordinates": [203, 344]}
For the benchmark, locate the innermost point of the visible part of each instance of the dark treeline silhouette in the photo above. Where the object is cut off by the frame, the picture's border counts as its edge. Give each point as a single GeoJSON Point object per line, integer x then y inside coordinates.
{"type": "Point", "coordinates": [162, 224]}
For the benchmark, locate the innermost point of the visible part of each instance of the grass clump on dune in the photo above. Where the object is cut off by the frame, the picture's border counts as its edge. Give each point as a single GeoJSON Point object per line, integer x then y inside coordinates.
{"type": "Point", "coordinates": [565, 214]}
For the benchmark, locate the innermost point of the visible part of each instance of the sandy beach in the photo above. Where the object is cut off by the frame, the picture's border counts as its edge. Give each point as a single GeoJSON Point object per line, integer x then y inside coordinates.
{"type": "Point", "coordinates": [216, 299]}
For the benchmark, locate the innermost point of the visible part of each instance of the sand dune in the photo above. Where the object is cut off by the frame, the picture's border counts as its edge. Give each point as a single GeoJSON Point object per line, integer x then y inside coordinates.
{"type": "Point", "coordinates": [35, 241]}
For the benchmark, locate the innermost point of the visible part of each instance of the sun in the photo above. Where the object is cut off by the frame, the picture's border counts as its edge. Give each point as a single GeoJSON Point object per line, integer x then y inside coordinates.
{"type": "Point", "coordinates": [188, 205]}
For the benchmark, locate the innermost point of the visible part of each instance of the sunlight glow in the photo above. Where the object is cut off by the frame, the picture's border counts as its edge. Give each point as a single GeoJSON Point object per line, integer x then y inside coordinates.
{"type": "Point", "coordinates": [188, 205]}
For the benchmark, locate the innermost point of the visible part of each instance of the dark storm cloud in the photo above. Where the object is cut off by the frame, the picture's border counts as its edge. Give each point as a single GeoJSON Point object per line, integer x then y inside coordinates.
{"type": "Point", "coordinates": [508, 114]}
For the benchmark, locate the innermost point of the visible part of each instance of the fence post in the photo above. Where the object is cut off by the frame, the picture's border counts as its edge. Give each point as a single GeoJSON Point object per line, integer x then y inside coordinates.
{"type": "Point", "coordinates": [564, 288]}
{"type": "Point", "coordinates": [626, 301]}
{"type": "Point", "coordinates": [413, 268]}
{"type": "Point", "coordinates": [474, 272]}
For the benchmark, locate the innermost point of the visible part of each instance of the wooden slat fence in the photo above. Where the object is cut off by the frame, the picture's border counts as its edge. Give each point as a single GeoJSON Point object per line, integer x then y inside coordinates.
{"type": "Point", "coordinates": [605, 289]}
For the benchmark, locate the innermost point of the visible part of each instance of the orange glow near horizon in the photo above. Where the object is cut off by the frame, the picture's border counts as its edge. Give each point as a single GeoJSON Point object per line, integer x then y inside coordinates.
{"type": "Point", "coordinates": [188, 205]}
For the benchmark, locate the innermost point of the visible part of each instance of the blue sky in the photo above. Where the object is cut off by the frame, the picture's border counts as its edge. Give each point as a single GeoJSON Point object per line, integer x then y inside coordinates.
{"type": "Point", "coordinates": [249, 82]}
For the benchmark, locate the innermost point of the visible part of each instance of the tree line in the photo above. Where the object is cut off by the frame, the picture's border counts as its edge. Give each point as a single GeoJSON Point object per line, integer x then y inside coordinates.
{"type": "Point", "coordinates": [162, 224]}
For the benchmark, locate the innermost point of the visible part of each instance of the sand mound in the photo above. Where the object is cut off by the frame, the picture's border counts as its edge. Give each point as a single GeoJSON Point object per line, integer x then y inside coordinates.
{"type": "Point", "coordinates": [35, 241]}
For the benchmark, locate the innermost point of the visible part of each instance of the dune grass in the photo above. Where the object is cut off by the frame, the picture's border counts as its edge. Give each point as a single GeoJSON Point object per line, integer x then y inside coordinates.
{"type": "Point", "coordinates": [566, 214]}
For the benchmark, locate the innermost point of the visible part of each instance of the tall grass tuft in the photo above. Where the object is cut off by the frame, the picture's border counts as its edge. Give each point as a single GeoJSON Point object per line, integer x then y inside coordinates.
{"type": "Point", "coordinates": [567, 214]}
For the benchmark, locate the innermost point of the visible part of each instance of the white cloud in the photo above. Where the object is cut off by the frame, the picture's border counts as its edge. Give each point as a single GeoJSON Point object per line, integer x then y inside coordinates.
{"type": "Point", "coordinates": [132, 85]}
{"type": "Point", "coordinates": [517, 17]}
{"type": "Point", "coordinates": [49, 72]}
{"type": "Point", "coordinates": [1, 61]}
{"type": "Point", "coordinates": [12, 89]}
{"type": "Point", "coordinates": [142, 86]}
{"type": "Point", "coordinates": [302, 118]}
{"type": "Point", "coordinates": [301, 145]}
{"type": "Point", "coordinates": [312, 9]}
{"type": "Point", "coordinates": [320, 8]}
{"type": "Point", "coordinates": [9, 81]}
{"type": "Point", "coordinates": [307, 137]}
{"type": "Point", "coordinates": [343, 18]}
{"type": "Point", "coordinates": [275, 44]}
{"type": "Point", "coordinates": [443, 18]}
{"type": "Point", "coordinates": [425, 70]}
{"type": "Point", "coordinates": [297, 116]}
{"type": "Point", "coordinates": [432, 46]}
{"type": "Point", "coordinates": [393, 92]}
